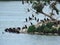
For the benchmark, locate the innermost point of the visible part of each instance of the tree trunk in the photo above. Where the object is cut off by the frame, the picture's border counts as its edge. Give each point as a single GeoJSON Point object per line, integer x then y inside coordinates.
{"type": "Point", "coordinates": [49, 16]}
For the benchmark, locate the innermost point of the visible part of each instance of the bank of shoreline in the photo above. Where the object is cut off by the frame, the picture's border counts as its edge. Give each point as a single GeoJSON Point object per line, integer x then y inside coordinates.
{"type": "Point", "coordinates": [25, 30]}
{"type": "Point", "coordinates": [37, 33]}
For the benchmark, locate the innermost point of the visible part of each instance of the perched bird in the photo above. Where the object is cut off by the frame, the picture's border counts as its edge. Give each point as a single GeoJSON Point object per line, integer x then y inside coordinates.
{"type": "Point", "coordinates": [47, 19]}
{"type": "Point", "coordinates": [30, 18]}
{"type": "Point", "coordinates": [32, 15]}
{"type": "Point", "coordinates": [13, 30]}
{"type": "Point", "coordinates": [26, 19]}
{"type": "Point", "coordinates": [22, 1]}
{"type": "Point", "coordinates": [38, 20]}
{"type": "Point", "coordinates": [18, 28]}
{"type": "Point", "coordinates": [35, 18]}
{"type": "Point", "coordinates": [6, 30]}
{"type": "Point", "coordinates": [31, 23]}
{"type": "Point", "coordinates": [10, 29]}
{"type": "Point", "coordinates": [44, 19]}
{"type": "Point", "coordinates": [25, 26]}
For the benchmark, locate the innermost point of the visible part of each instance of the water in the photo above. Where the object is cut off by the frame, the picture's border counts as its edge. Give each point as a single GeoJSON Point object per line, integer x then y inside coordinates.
{"type": "Point", "coordinates": [26, 39]}
{"type": "Point", "coordinates": [13, 14]}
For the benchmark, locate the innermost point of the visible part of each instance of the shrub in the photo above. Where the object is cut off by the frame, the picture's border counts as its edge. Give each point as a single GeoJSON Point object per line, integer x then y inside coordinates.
{"type": "Point", "coordinates": [38, 29]}
{"type": "Point", "coordinates": [53, 30]}
{"type": "Point", "coordinates": [42, 27]}
{"type": "Point", "coordinates": [31, 29]}
{"type": "Point", "coordinates": [49, 25]}
{"type": "Point", "coordinates": [59, 30]}
{"type": "Point", "coordinates": [46, 30]}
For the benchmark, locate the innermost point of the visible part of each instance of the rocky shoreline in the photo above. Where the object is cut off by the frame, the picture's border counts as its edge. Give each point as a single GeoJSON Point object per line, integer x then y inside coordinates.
{"type": "Point", "coordinates": [24, 30]}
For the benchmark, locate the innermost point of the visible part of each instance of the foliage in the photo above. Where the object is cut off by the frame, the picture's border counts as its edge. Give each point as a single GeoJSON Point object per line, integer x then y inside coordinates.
{"type": "Point", "coordinates": [49, 28]}
{"type": "Point", "coordinates": [58, 1]}
{"type": "Point", "coordinates": [49, 24]}
{"type": "Point", "coordinates": [38, 7]}
{"type": "Point", "coordinates": [40, 28]}
{"type": "Point", "coordinates": [59, 30]}
{"type": "Point", "coordinates": [54, 30]}
{"type": "Point", "coordinates": [47, 1]}
{"type": "Point", "coordinates": [46, 30]}
{"type": "Point", "coordinates": [31, 29]}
